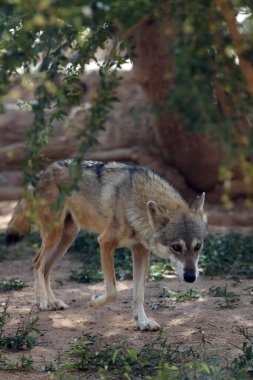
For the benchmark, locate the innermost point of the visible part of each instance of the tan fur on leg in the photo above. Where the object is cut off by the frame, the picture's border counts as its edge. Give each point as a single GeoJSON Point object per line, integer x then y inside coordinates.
{"type": "Point", "coordinates": [50, 240]}
{"type": "Point", "coordinates": [69, 233]}
{"type": "Point", "coordinates": [108, 243]}
{"type": "Point", "coordinates": [140, 265]}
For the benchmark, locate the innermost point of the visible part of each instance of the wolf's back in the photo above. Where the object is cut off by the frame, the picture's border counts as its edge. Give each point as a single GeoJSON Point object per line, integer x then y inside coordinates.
{"type": "Point", "coordinates": [20, 224]}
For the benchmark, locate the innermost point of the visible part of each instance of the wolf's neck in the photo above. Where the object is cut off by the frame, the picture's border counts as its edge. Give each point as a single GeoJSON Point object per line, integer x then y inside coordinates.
{"type": "Point", "coordinates": [139, 222]}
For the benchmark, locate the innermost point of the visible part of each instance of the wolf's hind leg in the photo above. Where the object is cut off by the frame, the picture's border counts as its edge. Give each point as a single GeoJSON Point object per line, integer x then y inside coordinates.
{"type": "Point", "coordinates": [69, 233]}
{"type": "Point", "coordinates": [140, 265]}
{"type": "Point", "coordinates": [108, 243]}
{"type": "Point", "coordinates": [50, 239]}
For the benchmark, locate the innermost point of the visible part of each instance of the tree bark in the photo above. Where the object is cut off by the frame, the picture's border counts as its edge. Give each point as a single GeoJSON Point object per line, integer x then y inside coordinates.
{"type": "Point", "coordinates": [195, 156]}
{"type": "Point", "coordinates": [230, 18]}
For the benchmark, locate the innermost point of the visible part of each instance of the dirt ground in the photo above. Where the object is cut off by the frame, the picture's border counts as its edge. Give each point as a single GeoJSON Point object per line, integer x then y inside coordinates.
{"type": "Point", "coordinates": [181, 322]}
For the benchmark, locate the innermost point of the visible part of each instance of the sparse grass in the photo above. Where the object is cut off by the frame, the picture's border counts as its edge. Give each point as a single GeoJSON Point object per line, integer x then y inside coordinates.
{"type": "Point", "coordinates": [186, 295]}
{"type": "Point", "coordinates": [230, 299]}
{"type": "Point", "coordinates": [59, 281]}
{"type": "Point", "coordinates": [159, 270]}
{"type": "Point", "coordinates": [158, 360]}
{"type": "Point", "coordinates": [243, 364]}
{"type": "Point", "coordinates": [167, 294]}
{"type": "Point", "coordinates": [22, 338]}
{"type": "Point", "coordinates": [49, 367]}
{"type": "Point", "coordinates": [249, 290]}
{"type": "Point", "coordinates": [12, 284]}
{"type": "Point", "coordinates": [85, 276]}
{"type": "Point", "coordinates": [115, 360]}
{"type": "Point", "coordinates": [24, 363]}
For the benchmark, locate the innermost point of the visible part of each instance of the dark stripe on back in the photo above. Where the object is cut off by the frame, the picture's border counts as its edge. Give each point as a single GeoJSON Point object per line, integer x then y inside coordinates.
{"type": "Point", "coordinates": [99, 167]}
{"type": "Point", "coordinates": [115, 207]}
{"type": "Point", "coordinates": [137, 169]}
{"type": "Point", "coordinates": [96, 166]}
{"type": "Point", "coordinates": [65, 163]}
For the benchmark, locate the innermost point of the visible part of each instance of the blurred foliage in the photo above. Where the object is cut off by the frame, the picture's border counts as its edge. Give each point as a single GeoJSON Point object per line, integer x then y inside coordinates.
{"type": "Point", "coordinates": [86, 248]}
{"type": "Point", "coordinates": [22, 339]}
{"type": "Point", "coordinates": [12, 284]}
{"type": "Point", "coordinates": [47, 44]}
{"type": "Point", "coordinates": [180, 296]}
{"type": "Point", "coordinates": [6, 254]}
{"type": "Point", "coordinates": [222, 255]}
{"type": "Point", "coordinates": [206, 62]}
{"type": "Point", "coordinates": [229, 300]}
{"type": "Point", "coordinates": [230, 254]}
{"type": "Point", "coordinates": [95, 355]}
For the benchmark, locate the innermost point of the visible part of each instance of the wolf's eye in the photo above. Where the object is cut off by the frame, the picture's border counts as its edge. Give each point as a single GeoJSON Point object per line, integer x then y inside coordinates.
{"type": "Point", "coordinates": [177, 247]}
{"type": "Point", "coordinates": [197, 247]}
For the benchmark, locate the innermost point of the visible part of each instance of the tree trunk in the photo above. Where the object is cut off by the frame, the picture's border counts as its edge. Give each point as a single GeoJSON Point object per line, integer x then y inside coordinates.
{"type": "Point", "coordinates": [238, 41]}
{"type": "Point", "coordinates": [195, 156]}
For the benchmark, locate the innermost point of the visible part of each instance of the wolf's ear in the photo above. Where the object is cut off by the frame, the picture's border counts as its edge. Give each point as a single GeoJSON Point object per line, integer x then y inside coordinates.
{"type": "Point", "coordinates": [198, 205]}
{"type": "Point", "coordinates": [156, 215]}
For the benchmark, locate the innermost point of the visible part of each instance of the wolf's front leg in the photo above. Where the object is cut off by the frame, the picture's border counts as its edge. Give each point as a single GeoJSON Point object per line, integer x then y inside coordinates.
{"type": "Point", "coordinates": [108, 243]}
{"type": "Point", "coordinates": [140, 265]}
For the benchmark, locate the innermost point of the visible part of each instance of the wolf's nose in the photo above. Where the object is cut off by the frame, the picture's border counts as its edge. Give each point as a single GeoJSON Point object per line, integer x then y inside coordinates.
{"type": "Point", "coordinates": [189, 276]}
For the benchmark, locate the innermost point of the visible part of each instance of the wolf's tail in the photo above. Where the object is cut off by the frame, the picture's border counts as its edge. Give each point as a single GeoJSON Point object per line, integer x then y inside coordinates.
{"type": "Point", "coordinates": [20, 224]}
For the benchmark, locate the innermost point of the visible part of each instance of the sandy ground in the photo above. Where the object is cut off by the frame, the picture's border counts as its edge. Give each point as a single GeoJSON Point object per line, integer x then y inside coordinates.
{"type": "Point", "coordinates": [181, 322]}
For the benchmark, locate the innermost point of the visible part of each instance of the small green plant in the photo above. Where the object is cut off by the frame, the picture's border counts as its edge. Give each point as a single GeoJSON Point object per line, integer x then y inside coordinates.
{"type": "Point", "coordinates": [249, 290]}
{"type": "Point", "coordinates": [196, 369]}
{"type": "Point", "coordinates": [162, 304]}
{"type": "Point", "coordinates": [243, 364]}
{"type": "Point", "coordinates": [158, 360]}
{"type": "Point", "coordinates": [49, 367]}
{"type": "Point", "coordinates": [4, 316]}
{"type": "Point", "coordinates": [160, 270]}
{"type": "Point", "coordinates": [182, 296]}
{"type": "Point", "coordinates": [12, 284]}
{"type": "Point", "coordinates": [115, 360]}
{"type": "Point", "coordinates": [86, 276]}
{"type": "Point", "coordinates": [59, 281]}
{"type": "Point", "coordinates": [230, 299]}
{"type": "Point", "coordinates": [22, 339]}
{"type": "Point", "coordinates": [24, 363]}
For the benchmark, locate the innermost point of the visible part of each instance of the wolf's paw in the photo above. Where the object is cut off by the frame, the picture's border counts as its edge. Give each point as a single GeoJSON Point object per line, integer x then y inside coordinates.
{"type": "Point", "coordinates": [42, 306]}
{"type": "Point", "coordinates": [148, 325]}
{"type": "Point", "coordinates": [57, 305]}
{"type": "Point", "coordinates": [100, 300]}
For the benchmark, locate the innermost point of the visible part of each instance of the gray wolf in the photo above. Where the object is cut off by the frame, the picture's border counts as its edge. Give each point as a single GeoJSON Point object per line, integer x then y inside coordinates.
{"type": "Point", "coordinates": [128, 206]}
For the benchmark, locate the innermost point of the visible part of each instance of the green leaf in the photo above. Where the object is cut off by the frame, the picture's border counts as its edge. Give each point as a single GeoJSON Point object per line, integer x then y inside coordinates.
{"type": "Point", "coordinates": [133, 354]}
{"type": "Point", "coordinates": [115, 355]}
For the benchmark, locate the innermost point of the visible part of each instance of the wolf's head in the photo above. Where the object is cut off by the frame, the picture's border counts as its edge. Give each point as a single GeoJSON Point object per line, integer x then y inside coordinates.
{"type": "Point", "coordinates": [179, 236]}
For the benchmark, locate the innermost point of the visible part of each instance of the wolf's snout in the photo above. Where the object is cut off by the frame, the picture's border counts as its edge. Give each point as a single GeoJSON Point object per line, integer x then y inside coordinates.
{"type": "Point", "coordinates": [189, 276]}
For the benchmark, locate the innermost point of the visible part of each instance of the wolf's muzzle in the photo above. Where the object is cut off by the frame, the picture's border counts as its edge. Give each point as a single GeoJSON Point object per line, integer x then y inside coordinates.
{"type": "Point", "coordinates": [189, 276]}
